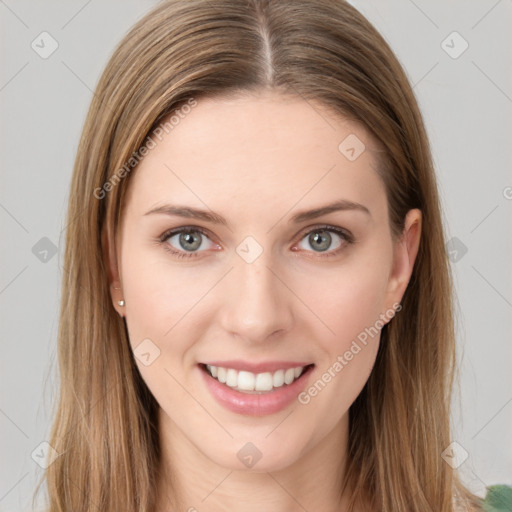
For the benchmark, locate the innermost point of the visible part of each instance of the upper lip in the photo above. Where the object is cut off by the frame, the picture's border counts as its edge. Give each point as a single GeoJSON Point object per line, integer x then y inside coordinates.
{"type": "Point", "coordinates": [269, 366]}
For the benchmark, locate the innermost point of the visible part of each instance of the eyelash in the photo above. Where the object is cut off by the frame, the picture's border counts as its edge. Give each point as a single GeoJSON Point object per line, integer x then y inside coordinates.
{"type": "Point", "coordinates": [346, 236]}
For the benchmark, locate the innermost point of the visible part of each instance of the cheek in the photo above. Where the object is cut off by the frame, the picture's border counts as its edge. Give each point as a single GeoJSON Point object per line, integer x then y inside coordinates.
{"type": "Point", "coordinates": [349, 299]}
{"type": "Point", "coordinates": [159, 294]}
{"type": "Point", "coordinates": [352, 310]}
{"type": "Point", "coordinates": [350, 302]}
{"type": "Point", "coordinates": [160, 300]}
{"type": "Point", "coordinates": [166, 314]}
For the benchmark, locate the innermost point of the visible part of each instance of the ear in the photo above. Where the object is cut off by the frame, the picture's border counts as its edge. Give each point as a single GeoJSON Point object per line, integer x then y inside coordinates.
{"type": "Point", "coordinates": [404, 256]}
{"type": "Point", "coordinates": [110, 259]}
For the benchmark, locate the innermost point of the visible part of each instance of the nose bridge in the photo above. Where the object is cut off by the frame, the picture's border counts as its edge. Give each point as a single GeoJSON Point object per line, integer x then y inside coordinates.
{"type": "Point", "coordinates": [256, 305]}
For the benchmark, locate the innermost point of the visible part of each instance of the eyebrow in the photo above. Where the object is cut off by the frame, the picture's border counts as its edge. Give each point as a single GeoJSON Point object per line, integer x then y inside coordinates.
{"type": "Point", "coordinates": [210, 216]}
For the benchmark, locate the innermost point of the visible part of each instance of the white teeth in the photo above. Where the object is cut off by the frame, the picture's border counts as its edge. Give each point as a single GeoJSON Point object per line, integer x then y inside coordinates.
{"type": "Point", "coordinates": [278, 378]}
{"type": "Point", "coordinates": [231, 378]}
{"type": "Point", "coordinates": [264, 382]}
{"type": "Point", "coordinates": [289, 376]}
{"type": "Point", "coordinates": [248, 381]}
{"type": "Point", "coordinates": [221, 374]}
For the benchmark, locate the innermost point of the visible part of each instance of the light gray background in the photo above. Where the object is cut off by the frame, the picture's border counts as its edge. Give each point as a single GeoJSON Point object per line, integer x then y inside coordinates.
{"type": "Point", "coordinates": [467, 105]}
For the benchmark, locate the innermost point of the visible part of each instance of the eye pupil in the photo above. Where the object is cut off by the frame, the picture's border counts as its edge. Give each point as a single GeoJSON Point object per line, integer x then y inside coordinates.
{"type": "Point", "coordinates": [189, 241]}
{"type": "Point", "coordinates": [321, 240]}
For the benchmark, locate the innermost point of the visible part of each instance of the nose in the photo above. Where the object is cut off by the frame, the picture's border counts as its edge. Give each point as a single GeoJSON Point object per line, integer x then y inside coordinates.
{"type": "Point", "coordinates": [256, 304]}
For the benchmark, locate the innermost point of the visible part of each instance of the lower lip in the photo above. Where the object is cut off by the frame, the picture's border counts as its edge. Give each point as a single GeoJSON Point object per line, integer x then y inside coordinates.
{"type": "Point", "coordinates": [255, 404]}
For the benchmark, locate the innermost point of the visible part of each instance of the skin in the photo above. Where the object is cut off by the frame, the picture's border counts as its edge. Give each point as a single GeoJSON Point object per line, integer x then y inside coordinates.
{"type": "Point", "coordinates": [257, 160]}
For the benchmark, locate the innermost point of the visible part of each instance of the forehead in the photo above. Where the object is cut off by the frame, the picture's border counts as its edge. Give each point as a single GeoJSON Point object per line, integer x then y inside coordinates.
{"type": "Point", "coordinates": [262, 151]}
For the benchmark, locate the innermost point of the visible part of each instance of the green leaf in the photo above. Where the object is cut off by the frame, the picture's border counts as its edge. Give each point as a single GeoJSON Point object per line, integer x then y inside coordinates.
{"type": "Point", "coordinates": [498, 499]}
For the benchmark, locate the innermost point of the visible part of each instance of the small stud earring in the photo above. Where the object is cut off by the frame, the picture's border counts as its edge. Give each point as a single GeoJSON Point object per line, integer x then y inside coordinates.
{"type": "Point", "coordinates": [121, 303]}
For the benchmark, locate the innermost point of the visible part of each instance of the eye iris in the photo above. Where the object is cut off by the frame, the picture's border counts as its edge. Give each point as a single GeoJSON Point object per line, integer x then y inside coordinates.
{"type": "Point", "coordinates": [321, 240]}
{"type": "Point", "coordinates": [190, 241]}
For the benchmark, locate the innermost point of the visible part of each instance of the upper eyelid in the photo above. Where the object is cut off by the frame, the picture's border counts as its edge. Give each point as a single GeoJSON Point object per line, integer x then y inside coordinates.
{"type": "Point", "coordinates": [324, 227]}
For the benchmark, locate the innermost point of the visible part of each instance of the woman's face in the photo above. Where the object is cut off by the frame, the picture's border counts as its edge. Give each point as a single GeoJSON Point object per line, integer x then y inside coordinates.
{"type": "Point", "coordinates": [260, 280]}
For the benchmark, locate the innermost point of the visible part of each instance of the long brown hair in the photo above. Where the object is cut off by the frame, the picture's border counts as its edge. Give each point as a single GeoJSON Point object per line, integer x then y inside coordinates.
{"type": "Point", "coordinates": [321, 50]}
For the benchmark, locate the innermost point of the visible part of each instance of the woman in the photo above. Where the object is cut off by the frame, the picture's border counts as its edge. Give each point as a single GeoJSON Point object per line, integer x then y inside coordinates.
{"type": "Point", "coordinates": [256, 298]}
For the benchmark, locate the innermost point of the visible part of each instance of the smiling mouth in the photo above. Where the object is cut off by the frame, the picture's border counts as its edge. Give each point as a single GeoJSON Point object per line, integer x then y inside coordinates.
{"type": "Point", "coordinates": [256, 383]}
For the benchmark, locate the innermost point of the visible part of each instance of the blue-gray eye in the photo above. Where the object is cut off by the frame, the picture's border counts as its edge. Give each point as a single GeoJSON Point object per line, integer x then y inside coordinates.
{"type": "Point", "coordinates": [189, 240]}
{"type": "Point", "coordinates": [321, 239]}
